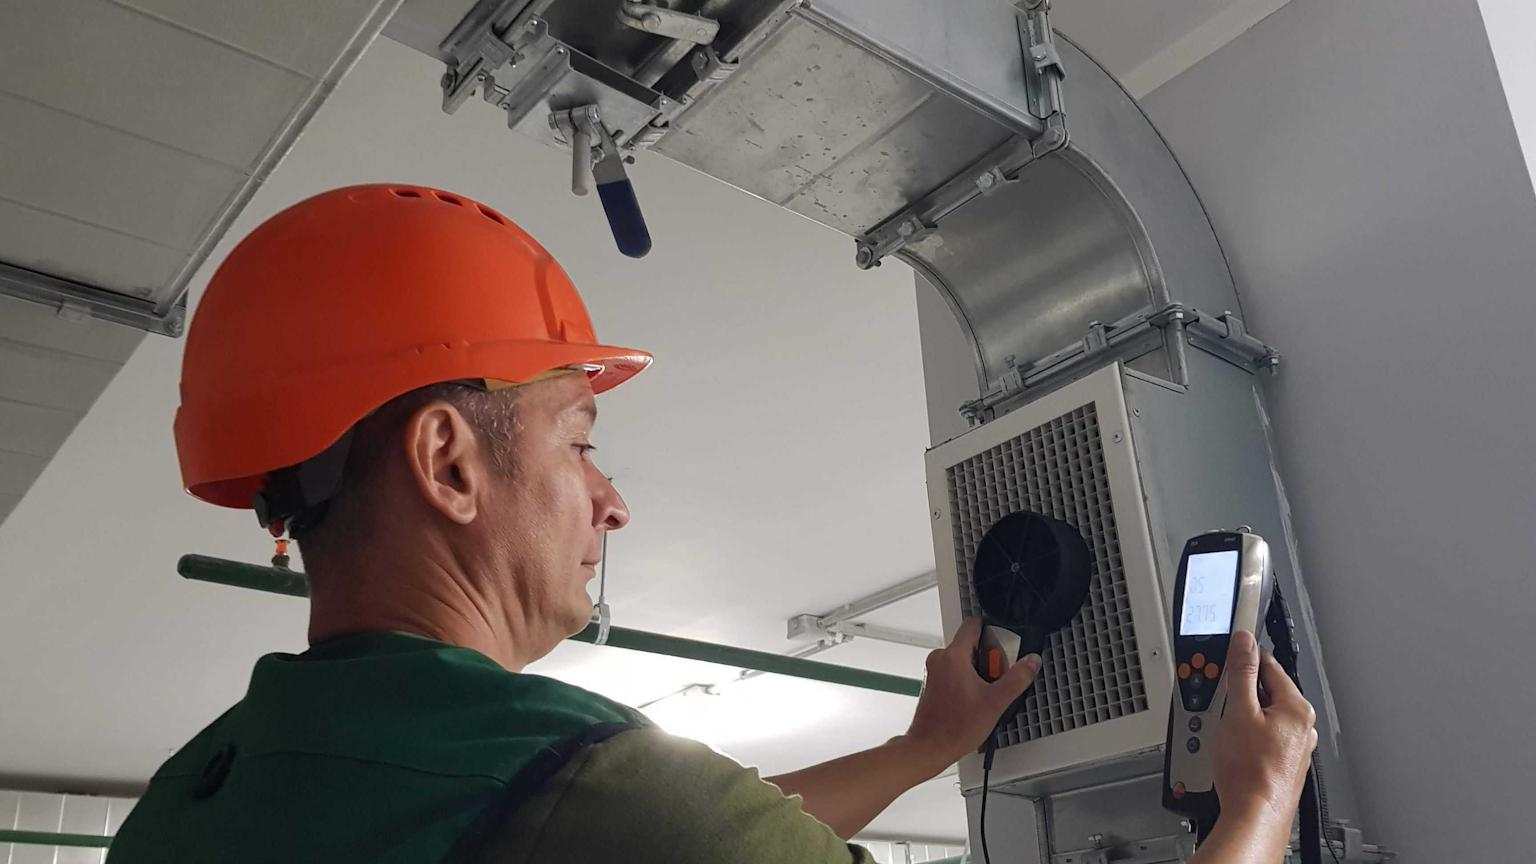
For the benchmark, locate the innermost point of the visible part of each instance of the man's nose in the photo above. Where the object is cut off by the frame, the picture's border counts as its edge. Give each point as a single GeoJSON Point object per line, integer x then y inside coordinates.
{"type": "Point", "coordinates": [608, 509]}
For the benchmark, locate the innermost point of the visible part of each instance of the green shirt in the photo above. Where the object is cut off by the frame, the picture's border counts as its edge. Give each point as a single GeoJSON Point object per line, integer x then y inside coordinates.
{"type": "Point", "coordinates": [390, 748]}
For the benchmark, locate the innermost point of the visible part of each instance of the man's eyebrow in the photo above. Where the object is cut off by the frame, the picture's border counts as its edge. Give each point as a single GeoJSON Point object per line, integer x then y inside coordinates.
{"type": "Point", "coordinates": [589, 408]}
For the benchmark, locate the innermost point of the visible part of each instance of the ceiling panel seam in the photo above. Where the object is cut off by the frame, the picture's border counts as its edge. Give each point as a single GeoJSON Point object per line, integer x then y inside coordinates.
{"type": "Point", "coordinates": [243, 170]}
{"type": "Point", "coordinates": [191, 31]}
{"type": "Point", "coordinates": [107, 228]}
{"type": "Point", "coordinates": [44, 350]}
{"type": "Point", "coordinates": [6, 451]}
{"type": "Point", "coordinates": [10, 400]}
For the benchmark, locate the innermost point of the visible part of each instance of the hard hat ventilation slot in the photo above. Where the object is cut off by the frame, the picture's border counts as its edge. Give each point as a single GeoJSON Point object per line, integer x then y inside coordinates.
{"type": "Point", "coordinates": [492, 215]}
{"type": "Point", "coordinates": [406, 193]}
{"type": "Point", "coordinates": [448, 199]}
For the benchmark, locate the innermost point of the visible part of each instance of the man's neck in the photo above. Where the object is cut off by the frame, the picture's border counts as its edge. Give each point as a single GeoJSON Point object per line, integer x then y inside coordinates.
{"type": "Point", "coordinates": [434, 603]}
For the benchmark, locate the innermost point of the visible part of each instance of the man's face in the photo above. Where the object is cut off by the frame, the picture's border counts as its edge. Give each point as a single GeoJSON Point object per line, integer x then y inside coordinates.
{"type": "Point", "coordinates": [549, 515]}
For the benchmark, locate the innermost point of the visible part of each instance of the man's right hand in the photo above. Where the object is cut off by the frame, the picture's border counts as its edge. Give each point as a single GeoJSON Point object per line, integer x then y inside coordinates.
{"type": "Point", "coordinates": [1263, 747]}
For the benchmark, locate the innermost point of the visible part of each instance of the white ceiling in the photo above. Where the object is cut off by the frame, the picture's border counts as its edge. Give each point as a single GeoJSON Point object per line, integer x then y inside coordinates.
{"type": "Point", "coordinates": [772, 457]}
{"type": "Point", "coordinates": [134, 126]}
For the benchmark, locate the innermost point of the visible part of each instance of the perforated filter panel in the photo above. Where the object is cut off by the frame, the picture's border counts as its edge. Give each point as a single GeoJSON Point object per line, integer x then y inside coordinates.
{"type": "Point", "coordinates": [1092, 671]}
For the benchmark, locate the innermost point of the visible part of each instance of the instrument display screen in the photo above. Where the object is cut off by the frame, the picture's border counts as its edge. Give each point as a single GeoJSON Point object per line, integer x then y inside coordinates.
{"type": "Point", "coordinates": [1210, 587]}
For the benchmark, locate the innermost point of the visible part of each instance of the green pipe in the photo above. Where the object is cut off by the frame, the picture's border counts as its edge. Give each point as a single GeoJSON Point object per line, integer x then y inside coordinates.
{"type": "Point", "coordinates": [292, 584]}
{"type": "Point", "coordinates": [49, 838]}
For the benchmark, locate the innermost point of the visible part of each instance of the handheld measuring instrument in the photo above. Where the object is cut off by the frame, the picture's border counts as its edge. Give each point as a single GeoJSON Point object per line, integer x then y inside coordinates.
{"type": "Point", "coordinates": [1031, 575]}
{"type": "Point", "coordinates": [1224, 585]}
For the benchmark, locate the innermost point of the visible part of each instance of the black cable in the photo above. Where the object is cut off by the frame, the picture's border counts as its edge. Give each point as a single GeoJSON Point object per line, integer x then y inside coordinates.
{"type": "Point", "coordinates": [1282, 632]}
{"type": "Point", "coordinates": [986, 784]}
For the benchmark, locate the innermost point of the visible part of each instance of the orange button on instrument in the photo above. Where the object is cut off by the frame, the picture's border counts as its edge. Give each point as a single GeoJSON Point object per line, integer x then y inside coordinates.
{"type": "Point", "coordinates": [1212, 671]}
{"type": "Point", "coordinates": [994, 664]}
{"type": "Point", "coordinates": [1183, 671]}
{"type": "Point", "coordinates": [1178, 790]}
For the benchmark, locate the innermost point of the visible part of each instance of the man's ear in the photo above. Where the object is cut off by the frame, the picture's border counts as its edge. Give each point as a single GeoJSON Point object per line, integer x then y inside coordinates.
{"type": "Point", "coordinates": [444, 458]}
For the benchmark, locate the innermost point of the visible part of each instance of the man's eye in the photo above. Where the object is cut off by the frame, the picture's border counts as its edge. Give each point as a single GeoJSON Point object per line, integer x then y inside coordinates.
{"type": "Point", "coordinates": [585, 449]}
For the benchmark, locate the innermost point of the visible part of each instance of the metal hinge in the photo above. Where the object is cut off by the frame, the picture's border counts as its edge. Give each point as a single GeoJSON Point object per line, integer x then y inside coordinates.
{"type": "Point", "coordinates": [649, 17]}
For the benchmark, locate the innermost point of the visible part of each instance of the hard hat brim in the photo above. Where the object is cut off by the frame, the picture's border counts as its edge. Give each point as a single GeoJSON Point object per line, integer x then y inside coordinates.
{"type": "Point", "coordinates": [294, 417]}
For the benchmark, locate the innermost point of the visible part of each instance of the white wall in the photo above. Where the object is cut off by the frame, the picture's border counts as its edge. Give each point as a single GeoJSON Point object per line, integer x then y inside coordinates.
{"type": "Point", "coordinates": [1511, 26]}
{"type": "Point", "coordinates": [59, 814]}
{"type": "Point", "coordinates": [1364, 176]}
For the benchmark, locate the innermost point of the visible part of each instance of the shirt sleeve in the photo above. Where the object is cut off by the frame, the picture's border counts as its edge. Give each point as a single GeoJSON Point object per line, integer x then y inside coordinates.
{"type": "Point", "coordinates": [646, 796]}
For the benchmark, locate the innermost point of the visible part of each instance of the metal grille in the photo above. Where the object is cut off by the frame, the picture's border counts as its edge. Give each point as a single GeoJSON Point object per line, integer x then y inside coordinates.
{"type": "Point", "coordinates": [1092, 671]}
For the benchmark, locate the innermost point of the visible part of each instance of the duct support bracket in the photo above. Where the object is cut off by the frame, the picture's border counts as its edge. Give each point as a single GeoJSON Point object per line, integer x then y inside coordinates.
{"type": "Point", "coordinates": [1223, 336]}
{"type": "Point", "coordinates": [1226, 337]}
{"type": "Point", "coordinates": [78, 301]}
{"type": "Point", "coordinates": [1043, 74]}
{"type": "Point", "coordinates": [511, 56]}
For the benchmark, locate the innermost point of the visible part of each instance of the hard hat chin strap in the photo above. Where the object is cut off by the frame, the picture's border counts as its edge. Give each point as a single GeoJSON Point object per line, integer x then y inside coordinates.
{"type": "Point", "coordinates": [296, 498]}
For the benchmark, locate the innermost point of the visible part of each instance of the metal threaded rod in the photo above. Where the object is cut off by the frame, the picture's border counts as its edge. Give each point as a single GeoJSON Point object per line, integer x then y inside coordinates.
{"type": "Point", "coordinates": [292, 583]}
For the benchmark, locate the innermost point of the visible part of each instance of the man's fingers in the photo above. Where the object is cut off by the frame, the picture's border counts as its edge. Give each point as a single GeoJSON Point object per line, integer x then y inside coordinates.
{"type": "Point", "coordinates": [1017, 679]}
{"type": "Point", "coordinates": [1281, 689]}
{"type": "Point", "coordinates": [967, 637]}
{"type": "Point", "coordinates": [1243, 673]}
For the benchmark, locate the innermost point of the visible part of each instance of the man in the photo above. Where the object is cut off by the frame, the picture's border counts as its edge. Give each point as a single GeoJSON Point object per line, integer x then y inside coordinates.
{"type": "Point", "coordinates": [403, 380]}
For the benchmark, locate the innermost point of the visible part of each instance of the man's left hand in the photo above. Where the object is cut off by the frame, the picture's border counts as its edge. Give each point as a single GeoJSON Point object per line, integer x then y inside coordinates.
{"type": "Point", "coordinates": [958, 708]}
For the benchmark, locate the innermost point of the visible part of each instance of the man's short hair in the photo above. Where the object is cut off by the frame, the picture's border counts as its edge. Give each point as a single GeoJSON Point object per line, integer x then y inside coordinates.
{"type": "Point", "coordinates": [350, 516]}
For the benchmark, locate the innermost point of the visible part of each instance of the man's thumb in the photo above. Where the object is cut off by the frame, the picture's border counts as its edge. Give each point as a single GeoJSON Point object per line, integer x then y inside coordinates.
{"type": "Point", "coordinates": [1019, 676]}
{"type": "Point", "coordinates": [1243, 672]}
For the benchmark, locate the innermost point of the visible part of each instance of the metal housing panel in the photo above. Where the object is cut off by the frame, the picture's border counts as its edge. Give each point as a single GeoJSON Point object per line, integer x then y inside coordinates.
{"type": "Point", "coordinates": [820, 125]}
{"type": "Point", "coordinates": [1090, 741]}
{"type": "Point", "coordinates": [1206, 463]}
{"type": "Point", "coordinates": [970, 46]}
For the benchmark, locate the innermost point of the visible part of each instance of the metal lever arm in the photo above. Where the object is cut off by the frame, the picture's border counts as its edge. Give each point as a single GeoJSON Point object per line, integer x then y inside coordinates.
{"type": "Point", "coordinates": [582, 126]}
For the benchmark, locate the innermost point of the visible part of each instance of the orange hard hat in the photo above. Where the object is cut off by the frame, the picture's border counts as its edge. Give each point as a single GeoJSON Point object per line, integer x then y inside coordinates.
{"type": "Point", "coordinates": [346, 300]}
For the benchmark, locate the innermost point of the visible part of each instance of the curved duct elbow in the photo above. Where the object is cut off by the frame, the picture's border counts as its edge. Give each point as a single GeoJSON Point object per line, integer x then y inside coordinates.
{"type": "Point", "coordinates": [925, 132]}
{"type": "Point", "coordinates": [1102, 230]}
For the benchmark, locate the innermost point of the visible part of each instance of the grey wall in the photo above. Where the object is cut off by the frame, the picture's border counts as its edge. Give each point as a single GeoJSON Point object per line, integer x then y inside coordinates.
{"type": "Point", "coordinates": [1362, 170]}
